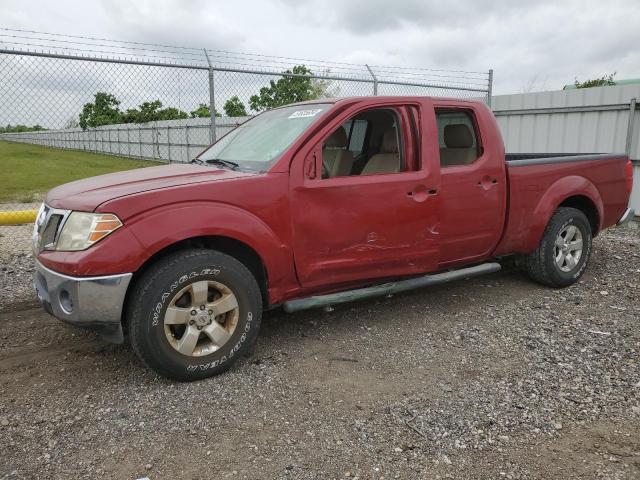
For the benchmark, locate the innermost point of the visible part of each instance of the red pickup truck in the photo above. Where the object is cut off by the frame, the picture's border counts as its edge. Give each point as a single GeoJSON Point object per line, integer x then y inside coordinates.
{"type": "Point", "coordinates": [311, 205]}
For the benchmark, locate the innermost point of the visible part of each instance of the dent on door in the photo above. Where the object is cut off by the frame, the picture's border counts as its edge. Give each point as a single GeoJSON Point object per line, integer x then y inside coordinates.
{"type": "Point", "coordinates": [364, 230]}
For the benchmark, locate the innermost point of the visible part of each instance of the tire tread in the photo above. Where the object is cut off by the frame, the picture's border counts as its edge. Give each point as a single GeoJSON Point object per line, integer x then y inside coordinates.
{"type": "Point", "coordinates": [537, 263]}
{"type": "Point", "coordinates": [142, 289]}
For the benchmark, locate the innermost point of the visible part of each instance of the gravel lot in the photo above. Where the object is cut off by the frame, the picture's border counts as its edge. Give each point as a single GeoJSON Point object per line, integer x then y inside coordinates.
{"type": "Point", "coordinates": [15, 239]}
{"type": "Point", "coordinates": [494, 377]}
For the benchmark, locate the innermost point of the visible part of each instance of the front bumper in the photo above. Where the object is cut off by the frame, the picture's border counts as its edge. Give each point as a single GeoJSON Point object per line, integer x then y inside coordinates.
{"type": "Point", "coordinates": [627, 216]}
{"type": "Point", "coordinates": [94, 303]}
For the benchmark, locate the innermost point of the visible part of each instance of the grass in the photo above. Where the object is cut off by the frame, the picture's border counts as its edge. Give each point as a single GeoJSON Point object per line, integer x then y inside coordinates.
{"type": "Point", "coordinates": [29, 171]}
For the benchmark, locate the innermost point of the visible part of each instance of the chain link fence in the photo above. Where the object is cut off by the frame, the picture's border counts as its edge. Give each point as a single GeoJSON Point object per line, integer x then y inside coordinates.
{"type": "Point", "coordinates": [51, 90]}
{"type": "Point", "coordinates": [161, 103]}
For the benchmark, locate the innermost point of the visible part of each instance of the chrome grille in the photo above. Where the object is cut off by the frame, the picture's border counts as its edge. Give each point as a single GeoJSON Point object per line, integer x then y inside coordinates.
{"type": "Point", "coordinates": [47, 227]}
{"type": "Point", "coordinates": [50, 230]}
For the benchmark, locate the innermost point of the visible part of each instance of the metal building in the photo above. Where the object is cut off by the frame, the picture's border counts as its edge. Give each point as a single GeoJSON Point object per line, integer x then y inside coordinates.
{"type": "Point", "coordinates": [586, 120]}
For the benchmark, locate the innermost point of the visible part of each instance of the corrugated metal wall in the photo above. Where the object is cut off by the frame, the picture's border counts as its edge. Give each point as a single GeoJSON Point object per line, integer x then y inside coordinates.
{"type": "Point", "coordinates": [588, 120]}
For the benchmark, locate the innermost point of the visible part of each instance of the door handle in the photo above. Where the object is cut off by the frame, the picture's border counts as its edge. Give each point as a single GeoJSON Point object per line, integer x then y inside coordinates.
{"type": "Point", "coordinates": [487, 182]}
{"type": "Point", "coordinates": [421, 193]}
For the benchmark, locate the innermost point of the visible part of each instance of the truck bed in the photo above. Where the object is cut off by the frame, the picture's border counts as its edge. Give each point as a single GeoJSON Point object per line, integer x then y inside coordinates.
{"type": "Point", "coordinates": [534, 158]}
{"type": "Point", "coordinates": [538, 183]}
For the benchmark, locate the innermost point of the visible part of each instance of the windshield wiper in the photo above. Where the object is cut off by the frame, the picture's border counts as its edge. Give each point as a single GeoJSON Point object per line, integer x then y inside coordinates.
{"type": "Point", "coordinates": [225, 163]}
{"type": "Point", "coordinates": [198, 161]}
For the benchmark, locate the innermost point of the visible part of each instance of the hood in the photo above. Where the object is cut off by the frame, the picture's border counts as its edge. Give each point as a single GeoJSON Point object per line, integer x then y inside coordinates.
{"type": "Point", "coordinates": [87, 194]}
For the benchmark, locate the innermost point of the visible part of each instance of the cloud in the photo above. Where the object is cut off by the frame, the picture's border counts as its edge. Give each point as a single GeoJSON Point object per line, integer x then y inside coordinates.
{"type": "Point", "coordinates": [544, 39]}
{"type": "Point", "coordinates": [190, 23]}
{"type": "Point", "coordinates": [379, 16]}
{"type": "Point", "coordinates": [550, 41]}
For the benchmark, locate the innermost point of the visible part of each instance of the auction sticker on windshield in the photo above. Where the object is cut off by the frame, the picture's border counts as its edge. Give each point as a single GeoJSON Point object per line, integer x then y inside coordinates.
{"type": "Point", "coordinates": [305, 113]}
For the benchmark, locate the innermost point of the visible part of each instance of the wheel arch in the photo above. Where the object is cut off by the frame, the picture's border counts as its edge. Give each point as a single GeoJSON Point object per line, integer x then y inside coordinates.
{"type": "Point", "coordinates": [586, 206]}
{"type": "Point", "coordinates": [242, 252]}
{"type": "Point", "coordinates": [571, 191]}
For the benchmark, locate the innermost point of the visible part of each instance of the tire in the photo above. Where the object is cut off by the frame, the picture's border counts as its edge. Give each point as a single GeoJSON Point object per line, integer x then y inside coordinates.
{"type": "Point", "coordinates": [549, 264]}
{"type": "Point", "coordinates": [167, 336]}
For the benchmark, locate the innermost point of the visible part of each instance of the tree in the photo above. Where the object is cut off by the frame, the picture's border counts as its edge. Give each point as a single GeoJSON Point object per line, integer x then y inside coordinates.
{"type": "Point", "coordinates": [234, 107]}
{"type": "Point", "coordinates": [171, 113]}
{"type": "Point", "coordinates": [103, 111]}
{"type": "Point", "coordinates": [151, 112]}
{"type": "Point", "coordinates": [203, 111]}
{"type": "Point", "coordinates": [286, 90]}
{"type": "Point", "coordinates": [604, 81]}
{"type": "Point", "coordinates": [21, 128]}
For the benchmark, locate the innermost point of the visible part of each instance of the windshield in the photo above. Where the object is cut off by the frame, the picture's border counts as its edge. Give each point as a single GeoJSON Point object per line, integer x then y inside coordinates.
{"type": "Point", "coordinates": [257, 143]}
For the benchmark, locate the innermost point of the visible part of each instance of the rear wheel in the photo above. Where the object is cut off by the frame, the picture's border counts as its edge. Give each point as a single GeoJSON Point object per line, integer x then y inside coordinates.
{"type": "Point", "coordinates": [193, 314]}
{"type": "Point", "coordinates": [563, 253]}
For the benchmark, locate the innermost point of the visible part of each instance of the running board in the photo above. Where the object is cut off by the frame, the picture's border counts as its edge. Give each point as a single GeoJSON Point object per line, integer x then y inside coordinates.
{"type": "Point", "coordinates": [388, 288]}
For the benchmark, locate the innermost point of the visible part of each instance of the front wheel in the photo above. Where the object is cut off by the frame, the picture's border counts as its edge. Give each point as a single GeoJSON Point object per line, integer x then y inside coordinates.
{"type": "Point", "coordinates": [563, 253]}
{"type": "Point", "coordinates": [193, 314]}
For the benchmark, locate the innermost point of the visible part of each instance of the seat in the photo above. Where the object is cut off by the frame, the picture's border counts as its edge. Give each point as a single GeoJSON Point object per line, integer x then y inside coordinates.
{"type": "Point", "coordinates": [388, 160]}
{"type": "Point", "coordinates": [459, 149]}
{"type": "Point", "coordinates": [336, 159]}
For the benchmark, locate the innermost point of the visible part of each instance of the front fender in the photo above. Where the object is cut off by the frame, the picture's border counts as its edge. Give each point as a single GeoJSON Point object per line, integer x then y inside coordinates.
{"type": "Point", "coordinates": [557, 193]}
{"type": "Point", "coordinates": [178, 222]}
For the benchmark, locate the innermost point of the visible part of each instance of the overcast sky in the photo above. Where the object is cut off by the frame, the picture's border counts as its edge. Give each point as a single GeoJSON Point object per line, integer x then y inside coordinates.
{"type": "Point", "coordinates": [531, 46]}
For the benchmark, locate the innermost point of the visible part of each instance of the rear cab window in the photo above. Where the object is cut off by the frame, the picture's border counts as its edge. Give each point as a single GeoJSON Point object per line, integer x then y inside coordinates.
{"type": "Point", "coordinates": [458, 138]}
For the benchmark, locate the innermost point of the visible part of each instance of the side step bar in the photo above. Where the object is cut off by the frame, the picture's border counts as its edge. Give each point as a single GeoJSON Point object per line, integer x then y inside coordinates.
{"type": "Point", "coordinates": [388, 288]}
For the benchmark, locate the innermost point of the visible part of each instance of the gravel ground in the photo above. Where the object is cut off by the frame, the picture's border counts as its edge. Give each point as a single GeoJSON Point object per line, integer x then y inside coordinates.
{"type": "Point", "coordinates": [16, 280]}
{"type": "Point", "coordinates": [15, 239]}
{"type": "Point", "coordinates": [494, 377]}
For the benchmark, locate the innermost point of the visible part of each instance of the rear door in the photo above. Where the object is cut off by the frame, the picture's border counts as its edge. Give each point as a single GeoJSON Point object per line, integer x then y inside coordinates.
{"type": "Point", "coordinates": [473, 186]}
{"type": "Point", "coordinates": [372, 223]}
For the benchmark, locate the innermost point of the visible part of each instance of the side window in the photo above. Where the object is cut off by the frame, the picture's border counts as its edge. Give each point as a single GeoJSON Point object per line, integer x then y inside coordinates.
{"type": "Point", "coordinates": [456, 137]}
{"type": "Point", "coordinates": [356, 137]}
{"type": "Point", "coordinates": [367, 144]}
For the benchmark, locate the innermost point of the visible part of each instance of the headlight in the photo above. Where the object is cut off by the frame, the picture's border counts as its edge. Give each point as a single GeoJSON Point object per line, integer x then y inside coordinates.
{"type": "Point", "coordinates": [81, 230]}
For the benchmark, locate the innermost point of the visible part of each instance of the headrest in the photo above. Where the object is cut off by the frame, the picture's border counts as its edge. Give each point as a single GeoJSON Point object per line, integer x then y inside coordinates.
{"type": "Point", "coordinates": [458, 136]}
{"type": "Point", "coordinates": [389, 142]}
{"type": "Point", "coordinates": [337, 139]}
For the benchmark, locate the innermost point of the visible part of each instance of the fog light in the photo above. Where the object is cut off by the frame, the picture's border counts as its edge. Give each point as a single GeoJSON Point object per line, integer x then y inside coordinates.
{"type": "Point", "coordinates": [65, 301]}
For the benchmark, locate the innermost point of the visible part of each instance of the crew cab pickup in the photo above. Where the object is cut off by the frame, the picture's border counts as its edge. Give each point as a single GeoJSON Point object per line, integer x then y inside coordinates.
{"type": "Point", "coordinates": [311, 205]}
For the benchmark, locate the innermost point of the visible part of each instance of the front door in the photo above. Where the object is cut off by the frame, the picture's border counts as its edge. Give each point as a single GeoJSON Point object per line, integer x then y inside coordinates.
{"type": "Point", "coordinates": [378, 217]}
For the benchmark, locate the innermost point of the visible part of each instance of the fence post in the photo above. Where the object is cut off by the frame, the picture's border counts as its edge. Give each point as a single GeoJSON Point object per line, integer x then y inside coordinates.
{"type": "Point", "coordinates": [186, 139]}
{"type": "Point", "coordinates": [375, 79]}
{"type": "Point", "coordinates": [212, 100]}
{"type": "Point", "coordinates": [490, 87]}
{"type": "Point", "coordinates": [128, 142]}
{"type": "Point", "coordinates": [632, 117]}
{"type": "Point", "coordinates": [169, 143]}
{"type": "Point", "coordinates": [155, 135]}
